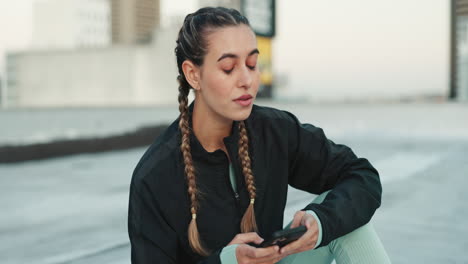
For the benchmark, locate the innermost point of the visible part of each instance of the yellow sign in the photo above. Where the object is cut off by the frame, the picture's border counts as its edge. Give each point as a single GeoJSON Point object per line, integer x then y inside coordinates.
{"type": "Point", "coordinates": [264, 62]}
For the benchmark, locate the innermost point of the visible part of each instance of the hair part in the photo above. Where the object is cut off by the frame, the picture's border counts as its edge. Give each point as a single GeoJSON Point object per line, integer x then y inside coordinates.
{"type": "Point", "coordinates": [192, 45]}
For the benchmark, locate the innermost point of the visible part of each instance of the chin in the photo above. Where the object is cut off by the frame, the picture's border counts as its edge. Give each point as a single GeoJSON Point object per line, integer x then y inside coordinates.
{"type": "Point", "coordinates": [242, 115]}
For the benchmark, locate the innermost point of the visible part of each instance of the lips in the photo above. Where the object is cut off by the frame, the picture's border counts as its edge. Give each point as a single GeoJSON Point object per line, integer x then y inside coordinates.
{"type": "Point", "coordinates": [244, 100]}
{"type": "Point", "coordinates": [244, 97]}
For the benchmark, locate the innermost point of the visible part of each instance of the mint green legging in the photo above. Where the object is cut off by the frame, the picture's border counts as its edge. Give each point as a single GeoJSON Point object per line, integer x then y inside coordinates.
{"type": "Point", "coordinates": [361, 246]}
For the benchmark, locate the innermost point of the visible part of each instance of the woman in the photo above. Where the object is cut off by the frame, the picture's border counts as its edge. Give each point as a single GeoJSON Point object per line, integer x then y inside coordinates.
{"type": "Point", "coordinates": [216, 180]}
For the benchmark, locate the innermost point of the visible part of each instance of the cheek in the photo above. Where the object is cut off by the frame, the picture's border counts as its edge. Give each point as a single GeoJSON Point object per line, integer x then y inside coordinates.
{"type": "Point", "coordinates": [256, 80]}
{"type": "Point", "coordinates": [219, 86]}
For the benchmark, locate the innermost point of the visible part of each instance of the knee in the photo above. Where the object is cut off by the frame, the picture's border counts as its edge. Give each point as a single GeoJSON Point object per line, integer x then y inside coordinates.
{"type": "Point", "coordinates": [361, 245]}
{"type": "Point", "coordinates": [359, 235]}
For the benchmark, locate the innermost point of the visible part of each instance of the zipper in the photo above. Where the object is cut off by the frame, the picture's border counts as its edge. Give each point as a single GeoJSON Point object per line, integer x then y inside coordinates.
{"type": "Point", "coordinates": [236, 178]}
{"type": "Point", "coordinates": [234, 171]}
{"type": "Point", "coordinates": [234, 194]}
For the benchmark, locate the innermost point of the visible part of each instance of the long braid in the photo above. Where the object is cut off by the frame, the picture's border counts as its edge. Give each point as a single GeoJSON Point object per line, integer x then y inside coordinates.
{"type": "Point", "coordinates": [192, 46]}
{"type": "Point", "coordinates": [248, 223]}
{"type": "Point", "coordinates": [193, 234]}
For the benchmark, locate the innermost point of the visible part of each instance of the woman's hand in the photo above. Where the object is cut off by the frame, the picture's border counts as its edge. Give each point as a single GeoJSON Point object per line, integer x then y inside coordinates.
{"type": "Point", "coordinates": [306, 241]}
{"type": "Point", "coordinates": [247, 254]}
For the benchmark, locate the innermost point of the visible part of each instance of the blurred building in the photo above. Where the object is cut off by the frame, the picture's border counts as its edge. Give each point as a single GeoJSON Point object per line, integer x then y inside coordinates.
{"type": "Point", "coordinates": [73, 64]}
{"type": "Point", "coordinates": [236, 4]}
{"type": "Point", "coordinates": [70, 24]}
{"type": "Point", "coordinates": [2, 93]}
{"type": "Point", "coordinates": [134, 21]}
{"type": "Point", "coordinates": [459, 50]}
{"type": "Point", "coordinates": [145, 74]}
{"type": "Point", "coordinates": [119, 75]}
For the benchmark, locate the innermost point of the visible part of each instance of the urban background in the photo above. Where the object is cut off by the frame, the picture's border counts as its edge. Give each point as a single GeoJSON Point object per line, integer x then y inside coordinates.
{"type": "Point", "coordinates": [86, 86]}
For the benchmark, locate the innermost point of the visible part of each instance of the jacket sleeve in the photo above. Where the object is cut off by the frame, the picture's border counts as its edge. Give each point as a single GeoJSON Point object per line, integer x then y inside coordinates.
{"type": "Point", "coordinates": [152, 240]}
{"type": "Point", "coordinates": [317, 164]}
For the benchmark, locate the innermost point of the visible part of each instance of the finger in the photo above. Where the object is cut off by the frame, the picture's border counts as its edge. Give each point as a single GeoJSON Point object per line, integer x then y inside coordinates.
{"type": "Point", "coordinates": [300, 247]}
{"type": "Point", "coordinates": [303, 241]}
{"type": "Point", "coordinates": [246, 250]}
{"type": "Point", "coordinates": [258, 253]}
{"type": "Point", "coordinates": [245, 238]}
{"type": "Point", "coordinates": [309, 221]}
{"type": "Point", "coordinates": [277, 259]}
{"type": "Point", "coordinates": [291, 247]}
{"type": "Point", "coordinates": [267, 260]}
{"type": "Point", "coordinates": [272, 258]}
{"type": "Point", "coordinates": [297, 251]}
{"type": "Point", "coordinates": [297, 219]}
{"type": "Point", "coordinates": [254, 237]}
{"type": "Point", "coordinates": [312, 229]}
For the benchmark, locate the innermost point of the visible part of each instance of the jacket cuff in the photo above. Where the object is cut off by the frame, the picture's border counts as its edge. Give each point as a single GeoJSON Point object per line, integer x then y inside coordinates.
{"type": "Point", "coordinates": [228, 254]}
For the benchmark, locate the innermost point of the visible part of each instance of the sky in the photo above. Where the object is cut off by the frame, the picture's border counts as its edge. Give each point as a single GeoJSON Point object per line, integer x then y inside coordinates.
{"type": "Point", "coordinates": [400, 44]}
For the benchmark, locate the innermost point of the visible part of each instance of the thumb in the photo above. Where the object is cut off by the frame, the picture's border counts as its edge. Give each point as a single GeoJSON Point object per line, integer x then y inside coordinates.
{"type": "Point", "coordinates": [297, 219]}
{"type": "Point", "coordinates": [309, 221]}
{"type": "Point", "coordinates": [251, 237]}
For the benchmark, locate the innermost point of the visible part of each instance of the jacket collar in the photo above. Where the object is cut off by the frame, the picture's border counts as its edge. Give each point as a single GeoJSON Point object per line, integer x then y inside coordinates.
{"type": "Point", "coordinates": [218, 155]}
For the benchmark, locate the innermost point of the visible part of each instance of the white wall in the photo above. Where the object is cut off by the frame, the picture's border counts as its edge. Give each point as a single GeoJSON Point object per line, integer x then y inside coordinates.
{"type": "Point", "coordinates": [353, 50]}
{"type": "Point", "coordinates": [156, 70]}
{"type": "Point", "coordinates": [65, 78]}
{"type": "Point", "coordinates": [114, 76]}
{"type": "Point", "coordinates": [462, 62]}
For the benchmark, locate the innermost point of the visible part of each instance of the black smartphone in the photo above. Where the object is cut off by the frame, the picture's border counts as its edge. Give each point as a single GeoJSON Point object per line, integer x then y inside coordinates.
{"type": "Point", "coordinates": [282, 237]}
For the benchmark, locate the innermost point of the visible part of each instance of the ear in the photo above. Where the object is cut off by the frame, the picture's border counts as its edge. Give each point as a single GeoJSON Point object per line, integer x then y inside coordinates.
{"type": "Point", "coordinates": [192, 74]}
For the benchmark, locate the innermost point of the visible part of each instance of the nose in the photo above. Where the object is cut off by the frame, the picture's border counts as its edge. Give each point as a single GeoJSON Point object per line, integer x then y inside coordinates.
{"type": "Point", "coordinates": [245, 77]}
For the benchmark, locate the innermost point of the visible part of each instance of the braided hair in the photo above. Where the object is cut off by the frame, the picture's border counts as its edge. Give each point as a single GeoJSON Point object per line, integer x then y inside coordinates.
{"type": "Point", "coordinates": [191, 45]}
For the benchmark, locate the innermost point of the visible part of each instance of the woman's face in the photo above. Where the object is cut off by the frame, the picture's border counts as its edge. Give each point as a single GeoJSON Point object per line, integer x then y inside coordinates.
{"type": "Point", "coordinates": [229, 71]}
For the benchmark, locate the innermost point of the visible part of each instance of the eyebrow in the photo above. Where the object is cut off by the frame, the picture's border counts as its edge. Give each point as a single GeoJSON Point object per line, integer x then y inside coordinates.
{"type": "Point", "coordinates": [234, 56]}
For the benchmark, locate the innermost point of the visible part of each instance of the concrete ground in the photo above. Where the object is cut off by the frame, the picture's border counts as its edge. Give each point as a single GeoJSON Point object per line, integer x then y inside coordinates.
{"type": "Point", "coordinates": [73, 209]}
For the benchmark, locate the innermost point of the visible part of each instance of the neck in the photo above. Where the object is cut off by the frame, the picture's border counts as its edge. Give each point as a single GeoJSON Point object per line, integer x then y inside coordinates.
{"type": "Point", "coordinates": [210, 128]}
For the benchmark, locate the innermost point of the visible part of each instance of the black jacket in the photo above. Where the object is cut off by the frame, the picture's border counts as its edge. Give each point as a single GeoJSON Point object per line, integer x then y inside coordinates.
{"type": "Point", "coordinates": [283, 151]}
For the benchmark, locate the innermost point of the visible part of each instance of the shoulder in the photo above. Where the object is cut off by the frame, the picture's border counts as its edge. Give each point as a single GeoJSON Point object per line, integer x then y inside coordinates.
{"type": "Point", "coordinates": [160, 158]}
{"type": "Point", "coordinates": [282, 124]}
{"type": "Point", "coordinates": [268, 126]}
{"type": "Point", "coordinates": [266, 115]}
